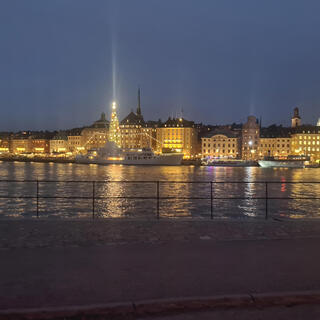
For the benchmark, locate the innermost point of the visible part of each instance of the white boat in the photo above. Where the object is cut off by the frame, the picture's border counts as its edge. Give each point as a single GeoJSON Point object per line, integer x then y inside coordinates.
{"type": "Point", "coordinates": [289, 162]}
{"type": "Point", "coordinates": [112, 154]}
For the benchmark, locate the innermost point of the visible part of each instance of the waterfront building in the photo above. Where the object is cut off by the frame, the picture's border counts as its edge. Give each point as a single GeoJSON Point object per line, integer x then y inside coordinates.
{"type": "Point", "coordinates": [59, 143]}
{"type": "Point", "coordinates": [305, 140]}
{"type": "Point", "coordinates": [40, 144]}
{"type": "Point", "coordinates": [250, 137]}
{"type": "Point", "coordinates": [221, 144]}
{"type": "Point", "coordinates": [136, 133]}
{"type": "Point", "coordinates": [274, 141]}
{"type": "Point", "coordinates": [20, 143]}
{"type": "Point", "coordinates": [4, 143]}
{"type": "Point", "coordinates": [94, 136]}
{"type": "Point", "coordinates": [180, 135]}
{"type": "Point", "coordinates": [75, 144]}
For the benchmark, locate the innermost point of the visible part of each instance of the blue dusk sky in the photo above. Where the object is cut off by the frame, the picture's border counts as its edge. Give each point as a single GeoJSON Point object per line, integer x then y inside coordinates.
{"type": "Point", "coordinates": [62, 62]}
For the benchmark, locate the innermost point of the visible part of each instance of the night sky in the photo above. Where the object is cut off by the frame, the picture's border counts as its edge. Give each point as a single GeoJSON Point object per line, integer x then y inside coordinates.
{"type": "Point", "coordinates": [62, 62]}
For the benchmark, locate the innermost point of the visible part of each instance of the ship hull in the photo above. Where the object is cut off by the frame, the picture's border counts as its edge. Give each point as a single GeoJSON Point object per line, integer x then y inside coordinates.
{"type": "Point", "coordinates": [232, 164]}
{"type": "Point", "coordinates": [281, 164]}
{"type": "Point", "coordinates": [161, 160]}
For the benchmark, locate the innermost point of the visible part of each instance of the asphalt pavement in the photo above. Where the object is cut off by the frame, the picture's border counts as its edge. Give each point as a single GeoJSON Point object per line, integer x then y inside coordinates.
{"type": "Point", "coordinates": [78, 276]}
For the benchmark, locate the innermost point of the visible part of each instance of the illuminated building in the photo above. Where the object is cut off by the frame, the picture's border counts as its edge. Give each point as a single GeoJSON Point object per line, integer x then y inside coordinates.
{"type": "Point", "coordinates": [20, 143]}
{"type": "Point", "coordinates": [135, 132]}
{"type": "Point", "coordinates": [40, 144]}
{"type": "Point", "coordinates": [221, 144]}
{"type": "Point", "coordinates": [94, 136]}
{"type": "Point", "coordinates": [250, 139]}
{"type": "Point", "coordinates": [295, 120]}
{"type": "Point", "coordinates": [275, 141]}
{"type": "Point", "coordinates": [305, 140]}
{"type": "Point", "coordinates": [4, 143]}
{"type": "Point", "coordinates": [180, 135]}
{"type": "Point", "coordinates": [59, 143]}
{"type": "Point", "coordinates": [75, 144]}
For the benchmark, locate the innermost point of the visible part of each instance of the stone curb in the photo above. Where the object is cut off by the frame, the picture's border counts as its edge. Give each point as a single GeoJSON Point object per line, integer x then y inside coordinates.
{"type": "Point", "coordinates": [163, 306]}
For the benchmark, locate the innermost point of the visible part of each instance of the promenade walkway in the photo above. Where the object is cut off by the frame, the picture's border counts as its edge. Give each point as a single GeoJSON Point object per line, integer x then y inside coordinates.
{"type": "Point", "coordinates": [50, 264]}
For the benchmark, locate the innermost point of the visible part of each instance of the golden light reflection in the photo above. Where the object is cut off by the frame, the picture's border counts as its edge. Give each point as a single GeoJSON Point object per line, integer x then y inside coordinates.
{"type": "Point", "coordinates": [113, 207]}
{"type": "Point", "coordinates": [250, 207]}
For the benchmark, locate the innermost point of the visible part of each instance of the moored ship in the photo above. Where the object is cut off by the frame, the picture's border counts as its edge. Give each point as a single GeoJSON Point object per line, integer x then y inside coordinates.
{"type": "Point", "coordinates": [112, 154]}
{"type": "Point", "coordinates": [288, 162]}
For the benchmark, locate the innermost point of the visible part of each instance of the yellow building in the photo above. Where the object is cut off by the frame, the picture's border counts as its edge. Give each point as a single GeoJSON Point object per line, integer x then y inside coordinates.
{"type": "Point", "coordinates": [59, 143]}
{"type": "Point", "coordinates": [250, 139]}
{"type": "Point", "coordinates": [21, 144]}
{"type": "Point", "coordinates": [221, 144]}
{"type": "Point", "coordinates": [40, 145]}
{"type": "Point", "coordinates": [4, 144]}
{"type": "Point", "coordinates": [96, 135]}
{"type": "Point", "coordinates": [135, 132]}
{"type": "Point", "coordinates": [305, 140]}
{"type": "Point", "coordinates": [180, 135]}
{"type": "Point", "coordinates": [275, 141]}
{"type": "Point", "coordinates": [275, 146]}
{"type": "Point", "coordinates": [75, 144]}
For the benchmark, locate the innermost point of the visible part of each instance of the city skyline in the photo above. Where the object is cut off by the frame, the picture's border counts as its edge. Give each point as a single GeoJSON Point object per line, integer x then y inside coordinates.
{"type": "Point", "coordinates": [65, 62]}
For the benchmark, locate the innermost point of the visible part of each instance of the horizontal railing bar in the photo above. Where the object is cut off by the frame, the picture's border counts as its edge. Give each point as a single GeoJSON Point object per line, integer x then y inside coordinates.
{"type": "Point", "coordinates": [161, 198]}
{"type": "Point", "coordinates": [18, 197]}
{"type": "Point", "coordinates": [155, 181]}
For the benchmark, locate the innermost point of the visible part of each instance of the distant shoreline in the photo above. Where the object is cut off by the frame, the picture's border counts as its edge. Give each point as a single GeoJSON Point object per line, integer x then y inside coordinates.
{"type": "Point", "coordinates": [63, 160]}
{"type": "Point", "coordinates": [36, 159]}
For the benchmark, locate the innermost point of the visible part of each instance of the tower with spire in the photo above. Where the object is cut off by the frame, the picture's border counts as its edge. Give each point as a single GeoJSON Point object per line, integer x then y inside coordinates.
{"type": "Point", "coordinates": [114, 131]}
{"type": "Point", "coordinates": [296, 119]}
{"type": "Point", "coordinates": [139, 104]}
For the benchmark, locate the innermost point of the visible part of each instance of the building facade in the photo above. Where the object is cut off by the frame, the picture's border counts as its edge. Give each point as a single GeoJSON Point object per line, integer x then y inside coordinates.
{"type": "Point", "coordinates": [250, 139]}
{"type": "Point", "coordinates": [40, 145]}
{"type": "Point", "coordinates": [135, 132]}
{"type": "Point", "coordinates": [94, 136]}
{"type": "Point", "coordinates": [305, 140]}
{"type": "Point", "coordinates": [180, 135]}
{"type": "Point", "coordinates": [59, 143]}
{"type": "Point", "coordinates": [275, 147]}
{"type": "Point", "coordinates": [20, 144]}
{"type": "Point", "coordinates": [4, 143]}
{"type": "Point", "coordinates": [275, 141]}
{"type": "Point", "coordinates": [75, 144]}
{"type": "Point", "coordinates": [221, 144]}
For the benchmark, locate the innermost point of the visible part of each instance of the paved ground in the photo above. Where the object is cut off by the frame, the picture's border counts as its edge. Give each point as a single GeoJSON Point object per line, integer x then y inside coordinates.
{"type": "Point", "coordinates": [63, 233]}
{"type": "Point", "coordinates": [93, 275]}
{"type": "Point", "coordinates": [310, 312]}
{"type": "Point", "coordinates": [76, 263]}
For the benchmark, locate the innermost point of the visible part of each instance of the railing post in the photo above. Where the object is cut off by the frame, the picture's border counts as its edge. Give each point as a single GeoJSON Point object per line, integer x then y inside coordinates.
{"type": "Point", "coordinates": [93, 198]}
{"type": "Point", "coordinates": [211, 196]}
{"type": "Point", "coordinates": [266, 216]}
{"type": "Point", "coordinates": [158, 200]}
{"type": "Point", "coordinates": [37, 198]}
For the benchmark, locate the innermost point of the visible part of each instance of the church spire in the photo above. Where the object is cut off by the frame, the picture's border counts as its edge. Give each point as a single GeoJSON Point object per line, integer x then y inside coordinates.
{"type": "Point", "coordinates": [139, 106]}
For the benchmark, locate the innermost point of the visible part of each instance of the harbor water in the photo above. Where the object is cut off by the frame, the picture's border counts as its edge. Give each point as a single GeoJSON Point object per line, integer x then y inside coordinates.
{"type": "Point", "coordinates": [128, 197]}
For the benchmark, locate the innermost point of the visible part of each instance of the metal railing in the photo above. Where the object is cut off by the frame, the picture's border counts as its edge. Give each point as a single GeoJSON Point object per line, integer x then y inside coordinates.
{"type": "Point", "coordinates": [157, 197]}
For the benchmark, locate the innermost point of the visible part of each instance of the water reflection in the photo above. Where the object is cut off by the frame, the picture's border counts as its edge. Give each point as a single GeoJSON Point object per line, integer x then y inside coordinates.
{"type": "Point", "coordinates": [116, 206]}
